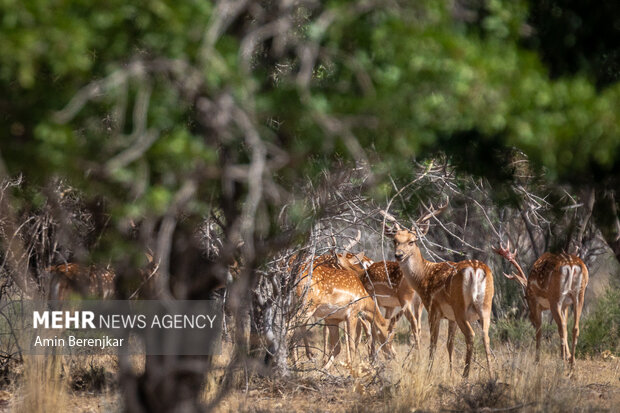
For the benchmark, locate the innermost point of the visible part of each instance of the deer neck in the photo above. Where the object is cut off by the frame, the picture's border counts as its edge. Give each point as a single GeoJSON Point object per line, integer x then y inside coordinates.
{"type": "Point", "coordinates": [414, 268]}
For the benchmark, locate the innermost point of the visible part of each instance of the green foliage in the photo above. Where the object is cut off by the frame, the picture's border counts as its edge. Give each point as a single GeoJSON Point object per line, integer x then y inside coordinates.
{"type": "Point", "coordinates": [519, 332]}
{"type": "Point", "coordinates": [600, 331]}
{"type": "Point", "coordinates": [404, 82]}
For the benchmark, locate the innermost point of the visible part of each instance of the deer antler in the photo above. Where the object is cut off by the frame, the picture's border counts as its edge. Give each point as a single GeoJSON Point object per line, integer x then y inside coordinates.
{"type": "Point", "coordinates": [353, 241]}
{"type": "Point", "coordinates": [390, 218]}
{"type": "Point", "coordinates": [512, 258]}
{"type": "Point", "coordinates": [432, 211]}
{"type": "Point", "coordinates": [422, 225]}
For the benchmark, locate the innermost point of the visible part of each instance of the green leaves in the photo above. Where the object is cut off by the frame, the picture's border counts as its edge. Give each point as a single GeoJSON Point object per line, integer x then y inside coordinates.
{"type": "Point", "coordinates": [406, 82]}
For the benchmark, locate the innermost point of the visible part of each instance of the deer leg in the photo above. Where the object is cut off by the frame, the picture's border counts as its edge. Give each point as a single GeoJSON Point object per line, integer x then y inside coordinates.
{"type": "Point", "coordinates": [325, 339]}
{"type": "Point", "coordinates": [418, 306]}
{"type": "Point", "coordinates": [433, 321]}
{"type": "Point", "coordinates": [485, 319]}
{"type": "Point", "coordinates": [536, 319]}
{"type": "Point", "coordinates": [469, 334]}
{"type": "Point", "coordinates": [565, 317]}
{"type": "Point", "coordinates": [558, 316]}
{"type": "Point", "coordinates": [303, 332]}
{"type": "Point", "coordinates": [388, 312]}
{"type": "Point", "coordinates": [358, 333]}
{"type": "Point", "coordinates": [414, 325]}
{"type": "Point", "coordinates": [450, 341]}
{"type": "Point", "coordinates": [578, 306]}
{"type": "Point", "coordinates": [351, 326]}
{"type": "Point", "coordinates": [334, 343]}
{"type": "Point", "coordinates": [365, 325]}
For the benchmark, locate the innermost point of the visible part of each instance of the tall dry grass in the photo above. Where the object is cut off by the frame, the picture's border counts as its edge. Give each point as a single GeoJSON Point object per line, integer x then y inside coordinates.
{"type": "Point", "coordinates": [518, 383]}
{"type": "Point", "coordinates": [405, 383]}
{"type": "Point", "coordinates": [42, 388]}
{"type": "Point", "coordinates": [54, 383]}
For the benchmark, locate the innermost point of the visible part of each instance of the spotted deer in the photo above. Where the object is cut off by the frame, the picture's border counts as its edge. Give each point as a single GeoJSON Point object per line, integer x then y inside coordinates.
{"type": "Point", "coordinates": [86, 281]}
{"type": "Point", "coordinates": [337, 295]}
{"type": "Point", "coordinates": [91, 281]}
{"type": "Point", "coordinates": [556, 282]}
{"type": "Point", "coordinates": [461, 292]}
{"type": "Point", "coordinates": [385, 282]}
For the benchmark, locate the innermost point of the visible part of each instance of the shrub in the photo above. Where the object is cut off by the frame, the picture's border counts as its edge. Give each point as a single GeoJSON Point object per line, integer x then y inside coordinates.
{"type": "Point", "coordinates": [92, 378]}
{"type": "Point", "coordinates": [600, 331]}
{"type": "Point", "coordinates": [519, 332]}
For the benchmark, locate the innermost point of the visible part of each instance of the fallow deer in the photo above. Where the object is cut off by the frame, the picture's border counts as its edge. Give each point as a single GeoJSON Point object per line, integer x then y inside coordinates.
{"type": "Point", "coordinates": [461, 292]}
{"type": "Point", "coordinates": [556, 281]}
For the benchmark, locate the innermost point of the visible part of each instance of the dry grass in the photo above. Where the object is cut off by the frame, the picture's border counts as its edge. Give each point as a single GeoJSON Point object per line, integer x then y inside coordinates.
{"type": "Point", "coordinates": [42, 388]}
{"type": "Point", "coordinates": [406, 385]}
{"type": "Point", "coordinates": [400, 385]}
{"type": "Point", "coordinates": [63, 383]}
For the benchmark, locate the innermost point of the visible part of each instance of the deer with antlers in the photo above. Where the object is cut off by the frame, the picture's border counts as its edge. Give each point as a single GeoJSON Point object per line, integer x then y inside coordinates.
{"type": "Point", "coordinates": [556, 281]}
{"type": "Point", "coordinates": [461, 292]}
{"type": "Point", "coordinates": [385, 282]}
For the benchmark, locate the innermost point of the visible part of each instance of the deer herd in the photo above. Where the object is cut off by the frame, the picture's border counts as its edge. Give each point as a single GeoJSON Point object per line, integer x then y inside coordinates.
{"type": "Point", "coordinates": [352, 289]}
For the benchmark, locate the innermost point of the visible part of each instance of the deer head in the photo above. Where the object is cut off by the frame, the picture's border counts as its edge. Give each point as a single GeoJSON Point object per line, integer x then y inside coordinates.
{"type": "Point", "coordinates": [405, 239]}
{"type": "Point", "coordinates": [360, 259]}
{"type": "Point", "coordinates": [353, 262]}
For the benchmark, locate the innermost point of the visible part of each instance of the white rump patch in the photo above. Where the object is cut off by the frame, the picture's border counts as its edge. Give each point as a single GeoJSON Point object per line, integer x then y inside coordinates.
{"type": "Point", "coordinates": [480, 283]}
{"type": "Point", "coordinates": [577, 278]}
{"type": "Point", "coordinates": [567, 281]}
{"type": "Point", "coordinates": [572, 295]}
{"type": "Point", "coordinates": [474, 286]}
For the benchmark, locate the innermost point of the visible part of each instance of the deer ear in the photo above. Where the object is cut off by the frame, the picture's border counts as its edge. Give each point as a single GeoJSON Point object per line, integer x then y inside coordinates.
{"type": "Point", "coordinates": [360, 257]}
{"type": "Point", "coordinates": [421, 230]}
